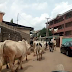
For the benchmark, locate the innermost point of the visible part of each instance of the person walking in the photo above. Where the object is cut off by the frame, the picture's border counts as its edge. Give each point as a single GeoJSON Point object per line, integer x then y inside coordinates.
{"type": "Point", "coordinates": [55, 44]}
{"type": "Point", "coordinates": [51, 46]}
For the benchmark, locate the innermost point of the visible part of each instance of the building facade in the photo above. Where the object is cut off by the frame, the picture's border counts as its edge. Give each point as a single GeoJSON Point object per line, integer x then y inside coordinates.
{"type": "Point", "coordinates": [62, 24]}
{"type": "Point", "coordinates": [13, 31]}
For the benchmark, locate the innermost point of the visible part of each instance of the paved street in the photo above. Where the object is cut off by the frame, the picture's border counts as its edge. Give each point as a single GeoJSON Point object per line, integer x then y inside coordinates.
{"type": "Point", "coordinates": [48, 64]}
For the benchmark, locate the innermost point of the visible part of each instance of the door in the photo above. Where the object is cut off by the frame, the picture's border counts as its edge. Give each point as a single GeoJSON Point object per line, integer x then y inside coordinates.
{"type": "Point", "coordinates": [58, 42]}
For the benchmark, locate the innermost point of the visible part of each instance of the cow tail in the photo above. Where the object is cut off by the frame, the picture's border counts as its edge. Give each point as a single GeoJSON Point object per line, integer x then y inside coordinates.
{"type": "Point", "coordinates": [3, 46]}
{"type": "Point", "coordinates": [4, 56]}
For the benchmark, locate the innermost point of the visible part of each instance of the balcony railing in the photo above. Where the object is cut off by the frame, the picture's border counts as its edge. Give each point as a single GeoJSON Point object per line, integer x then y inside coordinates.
{"type": "Point", "coordinates": [62, 30]}
{"type": "Point", "coordinates": [60, 23]}
{"type": "Point", "coordinates": [58, 31]}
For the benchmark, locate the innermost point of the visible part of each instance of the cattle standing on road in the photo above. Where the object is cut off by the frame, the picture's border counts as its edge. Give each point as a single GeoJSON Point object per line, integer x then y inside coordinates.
{"type": "Point", "coordinates": [39, 49]}
{"type": "Point", "coordinates": [14, 50]}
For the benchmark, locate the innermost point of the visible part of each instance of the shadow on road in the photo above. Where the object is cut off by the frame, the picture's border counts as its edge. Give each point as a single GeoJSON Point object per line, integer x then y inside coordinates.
{"type": "Point", "coordinates": [25, 68]}
{"type": "Point", "coordinates": [8, 70]}
{"type": "Point", "coordinates": [43, 58]}
{"type": "Point", "coordinates": [5, 70]}
{"type": "Point", "coordinates": [26, 61]}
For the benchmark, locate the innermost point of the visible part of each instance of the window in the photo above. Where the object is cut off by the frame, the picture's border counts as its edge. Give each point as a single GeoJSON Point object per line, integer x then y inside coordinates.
{"type": "Point", "coordinates": [66, 44]}
{"type": "Point", "coordinates": [61, 26]}
{"type": "Point", "coordinates": [68, 24]}
{"type": "Point", "coordinates": [70, 43]}
{"type": "Point", "coordinates": [68, 33]}
{"type": "Point", "coordinates": [51, 22]}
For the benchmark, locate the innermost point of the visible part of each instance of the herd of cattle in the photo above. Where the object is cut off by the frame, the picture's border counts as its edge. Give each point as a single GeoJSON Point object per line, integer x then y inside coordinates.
{"type": "Point", "coordinates": [12, 50]}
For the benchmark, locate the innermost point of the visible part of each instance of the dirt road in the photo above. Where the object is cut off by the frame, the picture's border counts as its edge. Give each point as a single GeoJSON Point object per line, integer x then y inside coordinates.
{"type": "Point", "coordinates": [47, 64]}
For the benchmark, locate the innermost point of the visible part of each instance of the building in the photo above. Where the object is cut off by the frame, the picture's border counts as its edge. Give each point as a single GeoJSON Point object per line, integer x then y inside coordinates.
{"type": "Point", "coordinates": [13, 31]}
{"type": "Point", "coordinates": [62, 24]}
{"type": "Point", "coordinates": [35, 34]}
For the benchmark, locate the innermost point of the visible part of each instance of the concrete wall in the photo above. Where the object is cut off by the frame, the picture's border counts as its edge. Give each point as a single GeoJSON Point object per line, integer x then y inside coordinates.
{"type": "Point", "coordinates": [0, 37]}
{"type": "Point", "coordinates": [7, 34]}
{"type": "Point", "coordinates": [15, 33]}
{"type": "Point", "coordinates": [25, 33]}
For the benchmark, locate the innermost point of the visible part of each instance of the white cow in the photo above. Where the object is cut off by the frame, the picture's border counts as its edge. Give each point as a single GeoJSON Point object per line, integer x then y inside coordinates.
{"type": "Point", "coordinates": [1, 55]}
{"type": "Point", "coordinates": [38, 50]}
{"type": "Point", "coordinates": [43, 43]}
{"type": "Point", "coordinates": [14, 50]}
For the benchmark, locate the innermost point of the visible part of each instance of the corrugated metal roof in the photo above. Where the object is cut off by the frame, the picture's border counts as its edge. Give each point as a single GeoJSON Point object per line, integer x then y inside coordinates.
{"type": "Point", "coordinates": [14, 24]}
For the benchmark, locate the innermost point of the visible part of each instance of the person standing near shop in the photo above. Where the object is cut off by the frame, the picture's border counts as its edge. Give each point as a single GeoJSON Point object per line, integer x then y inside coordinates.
{"type": "Point", "coordinates": [55, 44]}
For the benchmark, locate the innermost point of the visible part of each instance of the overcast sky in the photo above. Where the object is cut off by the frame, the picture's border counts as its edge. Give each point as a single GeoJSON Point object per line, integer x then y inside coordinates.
{"type": "Point", "coordinates": [33, 12]}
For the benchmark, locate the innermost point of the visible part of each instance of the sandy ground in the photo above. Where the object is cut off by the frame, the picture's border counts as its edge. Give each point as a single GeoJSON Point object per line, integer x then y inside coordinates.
{"type": "Point", "coordinates": [47, 64]}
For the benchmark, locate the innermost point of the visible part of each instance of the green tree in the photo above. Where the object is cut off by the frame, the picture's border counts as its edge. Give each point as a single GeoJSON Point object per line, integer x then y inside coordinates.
{"type": "Point", "coordinates": [11, 21]}
{"type": "Point", "coordinates": [43, 32]}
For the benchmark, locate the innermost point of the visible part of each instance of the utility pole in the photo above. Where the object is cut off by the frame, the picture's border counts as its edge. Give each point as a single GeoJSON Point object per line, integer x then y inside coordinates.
{"type": "Point", "coordinates": [17, 18]}
{"type": "Point", "coordinates": [47, 33]}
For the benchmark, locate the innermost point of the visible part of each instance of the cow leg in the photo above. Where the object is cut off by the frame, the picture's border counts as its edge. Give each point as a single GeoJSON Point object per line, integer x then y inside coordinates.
{"type": "Point", "coordinates": [11, 66]}
{"type": "Point", "coordinates": [0, 68]}
{"type": "Point", "coordinates": [41, 55]}
{"type": "Point", "coordinates": [14, 62]}
{"type": "Point", "coordinates": [7, 63]}
{"type": "Point", "coordinates": [18, 62]}
{"type": "Point", "coordinates": [26, 57]}
{"type": "Point", "coordinates": [11, 61]}
{"type": "Point", "coordinates": [7, 66]}
{"type": "Point", "coordinates": [21, 63]}
{"type": "Point", "coordinates": [55, 47]}
{"type": "Point", "coordinates": [37, 54]}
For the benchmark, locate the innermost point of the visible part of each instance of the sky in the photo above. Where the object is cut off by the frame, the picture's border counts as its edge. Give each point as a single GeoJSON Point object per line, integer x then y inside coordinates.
{"type": "Point", "coordinates": [33, 13]}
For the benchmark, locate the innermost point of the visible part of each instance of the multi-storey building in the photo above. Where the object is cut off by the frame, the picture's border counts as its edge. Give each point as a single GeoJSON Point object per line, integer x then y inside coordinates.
{"type": "Point", "coordinates": [63, 24]}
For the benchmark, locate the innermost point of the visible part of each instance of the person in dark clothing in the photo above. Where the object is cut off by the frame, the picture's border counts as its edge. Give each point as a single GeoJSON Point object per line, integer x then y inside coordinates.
{"type": "Point", "coordinates": [51, 46]}
{"type": "Point", "coordinates": [31, 43]}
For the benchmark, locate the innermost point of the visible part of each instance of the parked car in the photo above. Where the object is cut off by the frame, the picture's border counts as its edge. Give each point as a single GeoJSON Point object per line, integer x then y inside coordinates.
{"type": "Point", "coordinates": [66, 48]}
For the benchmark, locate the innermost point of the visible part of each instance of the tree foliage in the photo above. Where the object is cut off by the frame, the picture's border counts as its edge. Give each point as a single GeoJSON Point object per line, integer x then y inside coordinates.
{"type": "Point", "coordinates": [43, 32]}
{"type": "Point", "coordinates": [11, 21]}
